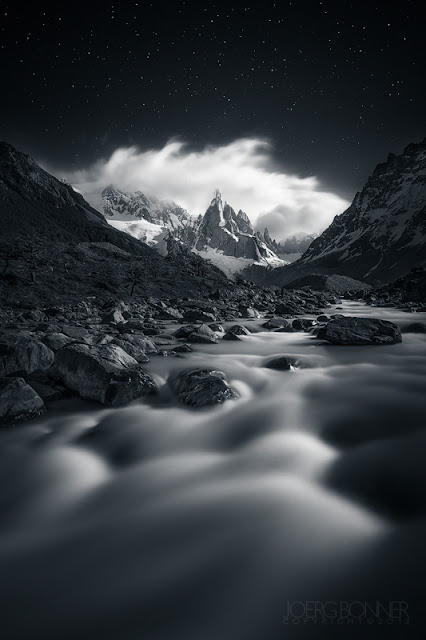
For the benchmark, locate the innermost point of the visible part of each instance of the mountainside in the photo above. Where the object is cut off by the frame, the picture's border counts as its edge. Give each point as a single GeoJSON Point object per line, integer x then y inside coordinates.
{"type": "Point", "coordinates": [55, 247]}
{"type": "Point", "coordinates": [144, 217]}
{"type": "Point", "coordinates": [382, 235]}
{"type": "Point", "coordinates": [224, 237]}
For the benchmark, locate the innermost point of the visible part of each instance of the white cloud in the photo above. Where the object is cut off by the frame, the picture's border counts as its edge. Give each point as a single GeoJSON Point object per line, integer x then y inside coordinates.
{"type": "Point", "coordinates": [243, 170]}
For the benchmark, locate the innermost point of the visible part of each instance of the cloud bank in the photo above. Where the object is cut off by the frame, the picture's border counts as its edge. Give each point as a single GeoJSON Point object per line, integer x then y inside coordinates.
{"type": "Point", "coordinates": [243, 170]}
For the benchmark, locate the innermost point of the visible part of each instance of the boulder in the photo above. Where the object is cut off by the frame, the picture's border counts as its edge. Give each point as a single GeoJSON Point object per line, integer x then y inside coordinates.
{"type": "Point", "coordinates": [277, 323]}
{"type": "Point", "coordinates": [169, 314]}
{"type": "Point", "coordinates": [184, 332]}
{"type": "Point", "coordinates": [287, 308]}
{"type": "Point", "coordinates": [56, 341]}
{"type": "Point", "coordinates": [216, 327]}
{"type": "Point", "coordinates": [198, 315]}
{"type": "Point", "coordinates": [239, 330]}
{"type": "Point", "coordinates": [323, 318]}
{"type": "Point", "coordinates": [359, 331]}
{"type": "Point", "coordinates": [415, 327]}
{"type": "Point", "coordinates": [230, 335]}
{"type": "Point", "coordinates": [104, 373]}
{"type": "Point", "coordinates": [23, 353]}
{"type": "Point", "coordinates": [203, 335]}
{"type": "Point", "coordinates": [136, 324]}
{"type": "Point", "coordinates": [303, 324]}
{"type": "Point", "coordinates": [78, 333]}
{"type": "Point", "coordinates": [18, 401]}
{"type": "Point", "coordinates": [137, 346]}
{"type": "Point", "coordinates": [283, 363]}
{"type": "Point", "coordinates": [183, 348]}
{"type": "Point", "coordinates": [113, 317]}
{"type": "Point", "coordinates": [141, 342]}
{"type": "Point", "coordinates": [201, 387]}
{"type": "Point", "coordinates": [248, 312]}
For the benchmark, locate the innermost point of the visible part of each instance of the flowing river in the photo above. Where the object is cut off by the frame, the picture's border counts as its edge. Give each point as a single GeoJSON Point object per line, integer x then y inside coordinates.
{"type": "Point", "coordinates": [159, 522]}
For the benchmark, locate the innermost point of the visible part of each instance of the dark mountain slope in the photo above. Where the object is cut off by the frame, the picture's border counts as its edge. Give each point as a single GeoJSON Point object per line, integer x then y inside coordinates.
{"type": "Point", "coordinates": [382, 235]}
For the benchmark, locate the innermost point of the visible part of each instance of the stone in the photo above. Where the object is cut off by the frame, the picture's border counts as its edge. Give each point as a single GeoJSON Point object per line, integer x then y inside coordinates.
{"type": "Point", "coordinates": [78, 333]}
{"type": "Point", "coordinates": [239, 330]}
{"type": "Point", "coordinates": [289, 309]}
{"type": "Point", "coordinates": [56, 341]}
{"type": "Point", "coordinates": [361, 331]}
{"type": "Point", "coordinates": [23, 353]}
{"type": "Point", "coordinates": [248, 312]}
{"type": "Point", "coordinates": [198, 315]}
{"type": "Point", "coordinates": [104, 373]}
{"type": "Point", "coordinates": [169, 314]}
{"type": "Point", "coordinates": [216, 327]}
{"type": "Point", "coordinates": [201, 387]}
{"type": "Point", "coordinates": [323, 318]}
{"type": "Point", "coordinates": [18, 401]}
{"type": "Point", "coordinates": [415, 327]}
{"type": "Point", "coordinates": [277, 323]}
{"type": "Point", "coordinates": [283, 363]}
{"type": "Point", "coordinates": [184, 332]}
{"type": "Point", "coordinates": [183, 348]}
{"type": "Point", "coordinates": [303, 324]}
{"type": "Point", "coordinates": [230, 335]}
{"type": "Point", "coordinates": [113, 317]}
{"type": "Point", "coordinates": [203, 335]}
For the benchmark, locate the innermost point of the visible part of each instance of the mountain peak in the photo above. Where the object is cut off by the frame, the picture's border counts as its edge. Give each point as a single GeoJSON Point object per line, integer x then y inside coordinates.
{"type": "Point", "coordinates": [217, 199]}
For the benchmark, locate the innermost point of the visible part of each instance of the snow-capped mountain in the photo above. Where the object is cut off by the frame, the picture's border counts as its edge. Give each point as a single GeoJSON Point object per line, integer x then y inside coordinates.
{"type": "Point", "coordinates": [144, 217]}
{"type": "Point", "coordinates": [229, 241]}
{"type": "Point", "coordinates": [382, 235]}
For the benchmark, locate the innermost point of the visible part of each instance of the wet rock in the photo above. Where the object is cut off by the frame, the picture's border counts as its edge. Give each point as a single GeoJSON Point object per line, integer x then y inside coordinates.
{"type": "Point", "coordinates": [198, 315]}
{"type": "Point", "coordinates": [283, 363]}
{"type": "Point", "coordinates": [134, 350]}
{"type": "Point", "coordinates": [169, 314]}
{"type": "Point", "coordinates": [56, 341]}
{"type": "Point", "coordinates": [216, 327]}
{"type": "Point", "coordinates": [287, 308]}
{"type": "Point", "coordinates": [230, 335]}
{"type": "Point", "coordinates": [18, 401]}
{"type": "Point", "coordinates": [78, 333]}
{"type": "Point", "coordinates": [23, 353]}
{"type": "Point", "coordinates": [248, 312]}
{"type": "Point", "coordinates": [277, 323]}
{"type": "Point", "coordinates": [201, 387]}
{"type": "Point", "coordinates": [203, 334]}
{"type": "Point", "coordinates": [104, 373]}
{"type": "Point", "coordinates": [184, 332]}
{"type": "Point", "coordinates": [136, 324]}
{"type": "Point", "coordinates": [415, 327]}
{"type": "Point", "coordinates": [47, 392]}
{"type": "Point", "coordinates": [183, 348]}
{"type": "Point", "coordinates": [33, 316]}
{"type": "Point", "coordinates": [323, 318]}
{"type": "Point", "coordinates": [239, 330]}
{"type": "Point", "coordinates": [359, 331]}
{"type": "Point", "coordinates": [303, 324]}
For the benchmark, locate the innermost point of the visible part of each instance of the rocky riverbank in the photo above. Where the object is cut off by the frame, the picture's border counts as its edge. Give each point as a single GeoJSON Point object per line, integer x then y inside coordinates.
{"type": "Point", "coordinates": [99, 353]}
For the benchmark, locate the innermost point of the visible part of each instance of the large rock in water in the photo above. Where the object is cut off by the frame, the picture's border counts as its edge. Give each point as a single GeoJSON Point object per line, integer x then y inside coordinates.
{"type": "Point", "coordinates": [202, 387]}
{"type": "Point", "coordinates": [18, 401]}
{"type": "Point", "coordinates": [104, 373]}
{"type": "Point", "coordinates": [358, 331]}
{"type": "Point", "coordinates": [20, 352]}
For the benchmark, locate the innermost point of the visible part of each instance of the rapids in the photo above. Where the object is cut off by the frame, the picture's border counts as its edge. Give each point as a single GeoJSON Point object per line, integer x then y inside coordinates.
{"type": "Point", "coordinates": [156, 521]}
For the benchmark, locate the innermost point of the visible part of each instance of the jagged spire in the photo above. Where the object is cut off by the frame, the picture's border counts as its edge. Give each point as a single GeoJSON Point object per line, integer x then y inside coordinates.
{"type": "Point", "coordinates": [217, 199]}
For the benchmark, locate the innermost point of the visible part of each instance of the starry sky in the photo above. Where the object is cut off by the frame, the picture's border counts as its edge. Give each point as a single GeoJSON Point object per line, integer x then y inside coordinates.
{"type": "Point", "coordinates": [334, 86]}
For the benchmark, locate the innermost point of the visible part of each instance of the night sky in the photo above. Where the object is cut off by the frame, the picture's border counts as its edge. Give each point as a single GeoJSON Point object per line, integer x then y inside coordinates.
{"type": "Point", "coordinates": [334, 86]}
